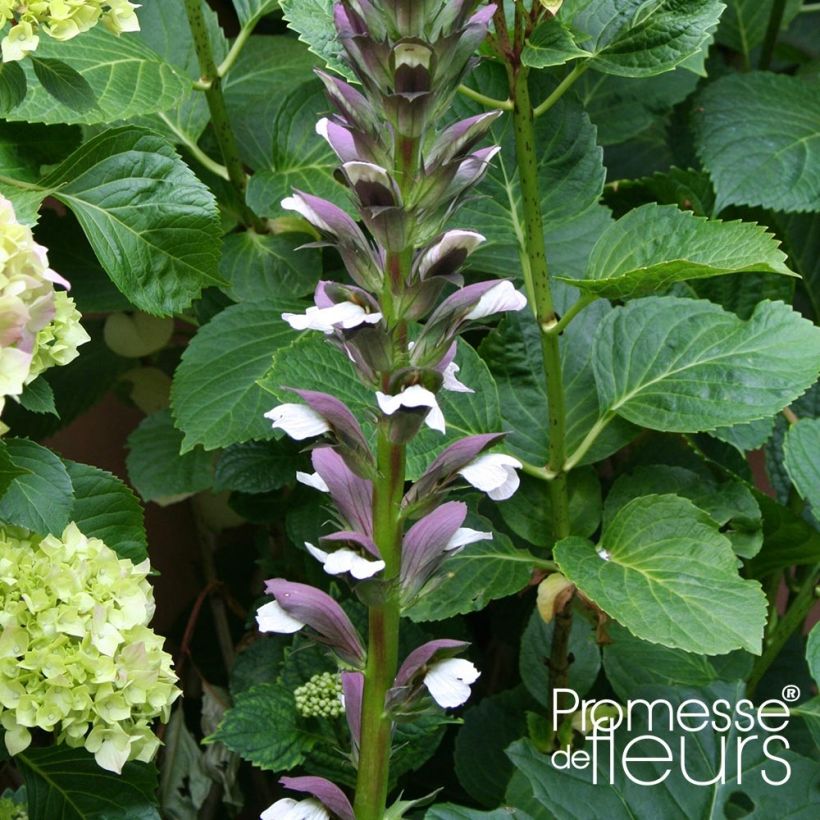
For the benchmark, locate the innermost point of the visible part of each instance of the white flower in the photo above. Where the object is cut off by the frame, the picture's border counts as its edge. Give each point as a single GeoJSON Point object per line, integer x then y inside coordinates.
{"type": "Point", "coordinates": [451, 381]}
{"type": "Point", "coordinates": [344, 315]}
{"type": "Point", "coordinates": [498, 299]}
{"type": "Point", "coordinates": [298, 420]}
{"type": "Point", "coordinates": [449, 681]}
{"type": "Point", "coordinates": [494, 474]}
{"type": "Point", "coordinates": [345, 560]}
{"type": "Point", "coordinates": [464, 536]}
{"type": "Point", "coordinates": [312, 480]}
{"type": "Point", "coordinates": [289, 809]}
{"type": "Point", "coordinates": [272, 618]}
{"type": "Point", "coordinates": [413, 397]}
{"type": "Point", "coordinates": [19, 42]}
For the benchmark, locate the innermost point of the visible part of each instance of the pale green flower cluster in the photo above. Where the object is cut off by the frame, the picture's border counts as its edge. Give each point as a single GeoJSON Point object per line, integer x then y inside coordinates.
{"type": "Point", "coordinates": [321, 696]}
{"type": "Point", "coordinates": [39, 326]}
{"type": "Point", "coordinates": [60, 19]}
{"type": "Point", "coordinates": [76, 654]}
{"type": "Point", "coordinates": [9, 810]}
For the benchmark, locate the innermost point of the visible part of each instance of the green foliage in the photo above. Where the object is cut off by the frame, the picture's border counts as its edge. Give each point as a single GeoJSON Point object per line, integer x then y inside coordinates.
{"type": "Point", "coordinates": [800, 449]}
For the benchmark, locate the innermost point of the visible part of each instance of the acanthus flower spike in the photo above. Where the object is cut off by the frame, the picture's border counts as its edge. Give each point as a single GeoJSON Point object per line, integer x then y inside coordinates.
{"type": "Point", "coordinates": [299, 605]}
{"type": "Point", "coordinates": [352, 495]}
{"type": "Point", "coordinates": [414, 398]}
{"type": "Point", "coordinates": [352, 691]}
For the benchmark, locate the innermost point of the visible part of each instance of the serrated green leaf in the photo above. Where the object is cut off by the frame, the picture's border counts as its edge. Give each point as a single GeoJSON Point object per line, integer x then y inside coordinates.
{"type": "Point", "coordinates": [261, 728]}
{"type": "Point", "coordinates": [801, 451]}
{"type": "Point", "coordinates": [636, 38]}
{"type": "Point", "coordinates": [68, 784]}
{"type": "Point", "coordinates": [746, 437]}
{"type": "Point", "coordinates": [258, 663]}
{"type": "Point", "coordinates": [38, 397]}
{"type": "Point", "coordinates": [570, 178]}
{"type": "Point", "coordinates": [448, 811]}
{"type": "Point", "coordinates": [529, 514]}
{"type": "Point", "coordinates": [730, 504]}
{"type": "Point", "coordinates": [654, 246]}
{"type": "Point", "coordinates": [688, 189]}
{"type": "Point", "coordinates": [650, 370]}
{"type": "Point", "coordinates": [469, 580]}
{"type": "Point", "coordinates": [255, 467]}
{"type": "Point", "coordinates": [155, 467]}
{"type": "Point", "coordinates": [801, 238]}
{"type": "Point", "coordinates": [551, 44]}
{"type": "Point", "coordinates": [153, 225]}
{"type": "Point", "coordinates": [215, 398]}
{"type": "Point", "coordinates": [41, 499]}
{"type": "Point", "coordinates": [258, 86]}
{"type": "Point", "coordinates": [105, 508]}
{"type": "Point", "coordinates": [12, 86]}
{"type": "Point", "coordinates": [299, 157]}
{"type": "Point", "coordinates": [664, 571]}
{"type": "Point", "coordinates": [758, 135]}
{"type": "Point", "coordinates": [126, 78]}
{"type": "Point", "coordinates": [268, 267]}
{"type": "Point", "coordinates": [533, 661]}
{"type": "Point", "coordinates": [8, 469]}
{"type": "Point", "coordinates": [249, 11]}
{"type": "Point", "coordinates": [312, 20]}
{"type": "Point", "coordinates": [631, 664]}
{"type": "Point", "coordinates": [513, 353]}
{"type": "Point", "coordinates": [744, 23]}
{"type": "Point", "coordinates": [66, 85]}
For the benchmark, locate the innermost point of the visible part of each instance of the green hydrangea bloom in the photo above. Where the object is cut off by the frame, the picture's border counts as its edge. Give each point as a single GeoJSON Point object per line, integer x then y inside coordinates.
{"type": "Point", "coordinates": [39, 326]}
{"type": "Point", "coordinates": [321, 696]}
{"type": "Point", "coordinates": [76, 654]}
{"type": "Point", "coordinates": [9, 810]}
{"type": "Point", "coordinates": [60, 19]}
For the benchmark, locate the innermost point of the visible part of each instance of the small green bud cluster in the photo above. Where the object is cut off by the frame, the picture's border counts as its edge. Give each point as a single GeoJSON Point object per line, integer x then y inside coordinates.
{"type": "Point", "coordinates": [60, 19]}
{"type": "Point", "coordinates": [77, 656]}
{"type": "Point", "coordinates": [9, 810]}
{"type": "Point", "coordinates": [321, 696]}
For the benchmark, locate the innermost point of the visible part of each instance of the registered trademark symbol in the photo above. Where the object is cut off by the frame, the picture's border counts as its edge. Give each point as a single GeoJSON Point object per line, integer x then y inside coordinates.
{"type": "Point", "coordinates": [791, 693]}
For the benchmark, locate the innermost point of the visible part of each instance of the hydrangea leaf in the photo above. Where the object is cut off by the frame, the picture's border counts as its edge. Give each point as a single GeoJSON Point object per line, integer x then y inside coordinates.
{"type": "Point", "coordinates": [551, 44]}
{"type": "Point", "coordinates": [261, 727]}
{"type": "Point", "coordinates": [650, 370]}
{"type": "Point", "coordinates": [758, 135]}
{"type": "Point", "coordinates": [469, 580]}
{"type": "Point", "coordinates": [65, 84]}
{"type": "Point", "coordinates": [38, 397]}
{"type": "Point", "coordinates": [449, 811]}
{"type": "Point", "coordinates": [744, 23]}
{"type": "Point", "coordinates": [105, 508]}
{"type": "Point", "coordinates": [801, 448]}
{"type": "Point", "coordinates": [256, 467]}
{"type": "Point", "coordinates": [41, 499]}
{"type": "Point", "coordinates": [67, 783]}
{"type": "Point", "coordinates": [215, 399]}
{"type": "Point", "coordinates": [8, 469]}
{"type": "Point", "coordinates": [513, 353]}
{"type": "Point", "coordinates": [249, 11]}
{"type": "Point", "coordinates": [665, 571]}
{"type": "Point", "coordinates": [655, 246]}
{"type": "Point", "coordinates": [155, 467]}
{"type": "Point", "coordinates": [12, 86]}
{"type": "Point", "coordinates": [153, 225]}
{"type": "Point", "coordinates": [268, 267]}
{"type": "Point", "coordinates": [636, 38]}
{"type": "Point", "coordinates": [127, 79]}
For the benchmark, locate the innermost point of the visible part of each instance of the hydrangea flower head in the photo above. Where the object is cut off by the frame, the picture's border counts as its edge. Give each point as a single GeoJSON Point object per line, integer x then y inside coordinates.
{"type": "Point", "coordinates": [76, 654]}
{"type": "Point", "coordinates": [59, 19]}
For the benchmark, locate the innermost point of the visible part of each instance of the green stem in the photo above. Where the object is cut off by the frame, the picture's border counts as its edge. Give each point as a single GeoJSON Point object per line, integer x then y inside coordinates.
{"type": "Point", "coordinates": [562, 89]}
{"type": "Point", "coordinates": [536, 276]}
{"type": "Point", "coordinates": [219, 114]}
{"type": "Point", "coordinates": [487, 102]}
{"type": "Point", "coordinates": [794, 618]}
{"type": "Point", "coordinates": [559, 327]}
{"type": "Point", "coordinates": [383, 638]}
{"type": "Point", "coordinates": [591, 437]}
{"type": "Point", "coordinates": [772, 33]}
{"type": "Point", "coordinates": [236, 48]}
{"type": "Point", "coordinates": [196, 152]}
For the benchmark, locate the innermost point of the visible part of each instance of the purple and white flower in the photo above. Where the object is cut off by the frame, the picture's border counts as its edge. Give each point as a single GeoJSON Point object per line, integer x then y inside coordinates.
{"type": "Point", "coordinates": [494, 474]}
{"type": "Point", "coordinates": [298, 421]}
{"type": "Point", "coordinates": [412, 398]}
{"type": "Point", "coordinates": [345, 561]}
{"type": "Point", "coordinates": [449, 681]}
{"type": "Point", "coordinates": [326, 797]}
{"type": "Point", "coordinates": [344, 316]}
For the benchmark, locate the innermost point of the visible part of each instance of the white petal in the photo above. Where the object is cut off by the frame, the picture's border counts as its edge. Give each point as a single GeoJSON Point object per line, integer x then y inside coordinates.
{"type": "Point", "coordinates": [346, 560]}
{"type": "Point", "coordinates": [494, 474]}
{"type": "Point", "coordinates": [449, 681]}
{"type": "Point", "coordinates": [296, 203]}
{"type": "Point", "coordinates": [464, 536]}
{"type": "Point", "coordinates": [298, 420]}
{"type": "Point", "coordinates": [319, 555]}
{"type": "Point", "coordinates": [272, 618]}
{"type": "Point", "coordinates": [498, 299]}
{"type": "Point", "coordinates": [451, 381]}
{"type": "Point", "coordinates": [312, 480]}
{"type": "Point", "coordinates": [345, 315]}
{"type": "Point", "coordinates": [289, 809]}
{"type": "Point", "coordinates": [413, 397]}
{"type": "Point", "coordinates": [362, 568]}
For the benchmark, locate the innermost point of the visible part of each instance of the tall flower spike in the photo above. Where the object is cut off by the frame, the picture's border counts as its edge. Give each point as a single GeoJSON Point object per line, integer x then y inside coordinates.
{"type": "Point", "coordinates": [352, 495]}
{"type": "Point", "coordinates": [300, 605]}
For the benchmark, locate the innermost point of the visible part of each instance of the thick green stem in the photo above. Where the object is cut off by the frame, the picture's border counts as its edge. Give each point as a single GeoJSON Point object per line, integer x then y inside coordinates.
{"type": "Point", "coordinates": [772, 33]}
{"type": "Point", "coordinates": [383, 638]}
{"type": "Point", "coordinates": [536, 275]}
{"type": "Point", "coordinates": [212, 85]}
{"type": "Point", "coordinates": [794, 618]}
